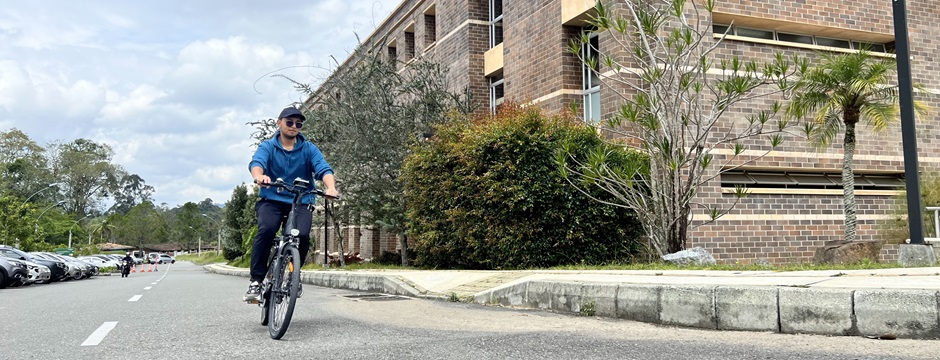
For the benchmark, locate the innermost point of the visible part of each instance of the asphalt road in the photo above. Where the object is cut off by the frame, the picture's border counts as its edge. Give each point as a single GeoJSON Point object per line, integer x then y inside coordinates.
{"type": "Point", "coordinates": [188, 313]}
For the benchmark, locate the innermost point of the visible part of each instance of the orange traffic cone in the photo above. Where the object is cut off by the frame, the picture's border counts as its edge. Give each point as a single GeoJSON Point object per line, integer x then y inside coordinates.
{"type": "Point", "coordinates": [149, 267]}
{"type": "Point", "coordinates": [134, 268]}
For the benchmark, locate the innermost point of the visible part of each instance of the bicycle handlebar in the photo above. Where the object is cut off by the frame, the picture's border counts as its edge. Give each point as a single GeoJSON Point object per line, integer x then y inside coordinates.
{"type": "Point", "coordinates": [299, 190]}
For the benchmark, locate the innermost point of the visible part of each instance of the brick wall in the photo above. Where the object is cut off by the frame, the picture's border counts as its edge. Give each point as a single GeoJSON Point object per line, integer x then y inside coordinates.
{"type": "Point", "coordinates": [775, 227]}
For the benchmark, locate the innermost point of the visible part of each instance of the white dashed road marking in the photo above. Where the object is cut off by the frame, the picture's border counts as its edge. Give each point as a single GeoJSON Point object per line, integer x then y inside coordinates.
{"type": "Point", "coordinates": [148, 288]}
{"type": "Point", "coordinates": [95, 338]}
{"type": "Point", "coordinates": [135, 298]}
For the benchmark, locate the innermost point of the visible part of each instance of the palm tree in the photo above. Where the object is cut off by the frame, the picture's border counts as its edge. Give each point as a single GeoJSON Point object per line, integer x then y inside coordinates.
{"type": "Point", "coordinates": [841, 91]}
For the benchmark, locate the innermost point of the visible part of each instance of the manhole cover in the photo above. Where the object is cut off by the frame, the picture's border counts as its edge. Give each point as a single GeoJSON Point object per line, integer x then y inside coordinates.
{"type": "Point", "coordinates": [375, 297]}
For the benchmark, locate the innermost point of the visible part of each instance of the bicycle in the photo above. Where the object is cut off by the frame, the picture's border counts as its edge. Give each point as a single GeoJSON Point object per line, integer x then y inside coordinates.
{"type": "Point", "coordinates": [279, 290]}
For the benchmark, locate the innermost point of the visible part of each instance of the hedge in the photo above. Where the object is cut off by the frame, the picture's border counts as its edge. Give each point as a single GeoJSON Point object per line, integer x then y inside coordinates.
{"type": "Point", "coordinates": [488, 193]}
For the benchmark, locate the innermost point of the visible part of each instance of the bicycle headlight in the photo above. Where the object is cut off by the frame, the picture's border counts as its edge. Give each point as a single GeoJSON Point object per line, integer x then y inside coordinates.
{"type": "Point", "coordinates": [294, 232]}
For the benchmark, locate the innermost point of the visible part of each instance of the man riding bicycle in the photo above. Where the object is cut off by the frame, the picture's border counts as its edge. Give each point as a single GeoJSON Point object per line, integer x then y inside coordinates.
{"type": "Point", "coordinates": [287, 155]}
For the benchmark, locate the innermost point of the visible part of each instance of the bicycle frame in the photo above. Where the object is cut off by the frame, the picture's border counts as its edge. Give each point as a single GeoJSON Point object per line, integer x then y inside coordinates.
{"type": "Point", "coordinates": [272, 292]}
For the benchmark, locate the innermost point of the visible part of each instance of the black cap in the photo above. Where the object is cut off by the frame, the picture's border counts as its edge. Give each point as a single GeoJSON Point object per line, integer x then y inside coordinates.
{"type": "Point", "coordinates": [291, 112]}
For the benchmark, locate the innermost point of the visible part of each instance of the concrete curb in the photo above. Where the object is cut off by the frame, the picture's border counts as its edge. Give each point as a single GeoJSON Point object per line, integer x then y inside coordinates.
{"type": "Point", "coordinates": [913, 314]}
{"type": "Point", "coordinates": [359, 282]}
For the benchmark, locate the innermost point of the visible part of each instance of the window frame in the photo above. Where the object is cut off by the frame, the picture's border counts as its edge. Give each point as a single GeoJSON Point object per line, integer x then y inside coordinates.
{"type": "Point", "coordinates": [852, 44]}
{"type": "Point", "coordinates": [495, 21]}
{"type": "Point", "coordinates": [590, 83]}
{"type": "Point", "coordinates": [495, 102]}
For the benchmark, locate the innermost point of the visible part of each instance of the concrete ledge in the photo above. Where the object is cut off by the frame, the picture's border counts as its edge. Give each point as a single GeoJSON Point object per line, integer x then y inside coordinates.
{"type": "Point", "coordinates": [747, 308]}
{"type": "Point", "coordinates": [557, 296]}
{"type": "Point", "coordinates": [793, 310]}
{"type": "Point", "coordinates": [816, 311]}
{"type": "Point", "coordinates": [692, 306]}
{"type": "Point", "coordinates": [908, 314]}
{"type": "Point", "coordinates": [639, 302]}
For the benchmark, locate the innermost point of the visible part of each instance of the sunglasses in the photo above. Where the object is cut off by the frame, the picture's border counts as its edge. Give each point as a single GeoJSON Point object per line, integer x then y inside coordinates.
{"type": "Point", "coordinates": [291, 123]}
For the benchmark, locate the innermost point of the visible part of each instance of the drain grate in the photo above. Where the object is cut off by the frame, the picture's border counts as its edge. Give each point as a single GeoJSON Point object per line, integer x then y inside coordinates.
{"type": "Point", "coordinates": [375, 297]}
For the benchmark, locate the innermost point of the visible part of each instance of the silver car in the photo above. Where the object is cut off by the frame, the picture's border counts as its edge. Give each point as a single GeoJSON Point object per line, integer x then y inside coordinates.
{"type": "Point", "coordinates": [37, 273]}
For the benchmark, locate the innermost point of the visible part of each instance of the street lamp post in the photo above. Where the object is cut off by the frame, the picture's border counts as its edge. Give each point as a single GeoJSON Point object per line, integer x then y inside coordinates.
{"type": "Point", "coordinates": [199, 244]}
{"type": "Point", "coordinates": [37, 192]}
{"type": "Point", "coordinates": [73, 226]}
{"type": "Point", "coordinates": [36, 227]}
{"type": "Point", "coordinates": [219, 245]}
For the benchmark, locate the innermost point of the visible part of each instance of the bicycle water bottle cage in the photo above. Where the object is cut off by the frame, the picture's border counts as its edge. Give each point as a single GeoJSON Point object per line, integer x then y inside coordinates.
{"type": "Point", "coordinates": [301, 182]}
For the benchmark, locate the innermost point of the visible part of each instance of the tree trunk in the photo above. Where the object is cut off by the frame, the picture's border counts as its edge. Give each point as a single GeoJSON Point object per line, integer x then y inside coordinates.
{"type": "Point", "coordinates": [404, 249]}
{"type": "Point", "coordinates": [848, 177]}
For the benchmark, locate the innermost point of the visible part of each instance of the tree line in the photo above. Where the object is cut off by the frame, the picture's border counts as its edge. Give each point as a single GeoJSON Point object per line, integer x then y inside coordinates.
{"type": "Point", "coordinates": [73, 193]}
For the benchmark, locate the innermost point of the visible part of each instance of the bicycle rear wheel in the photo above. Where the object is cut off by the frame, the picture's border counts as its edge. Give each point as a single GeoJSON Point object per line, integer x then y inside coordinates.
{"type": "Point", "coordinates": [283, 295]}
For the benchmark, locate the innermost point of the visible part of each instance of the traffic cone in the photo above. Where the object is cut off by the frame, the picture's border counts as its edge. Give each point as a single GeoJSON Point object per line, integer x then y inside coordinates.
{"type": "Point", "coordinates": [149, 267]}
{"type": "Point", "coordinates": [134, 268]}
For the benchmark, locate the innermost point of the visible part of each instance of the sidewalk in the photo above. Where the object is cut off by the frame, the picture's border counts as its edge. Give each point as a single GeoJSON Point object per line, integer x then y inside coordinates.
{"type": "Point", "coordinates": [903, 302]}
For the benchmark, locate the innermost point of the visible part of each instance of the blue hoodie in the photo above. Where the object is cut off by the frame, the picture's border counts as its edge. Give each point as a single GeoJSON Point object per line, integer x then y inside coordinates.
{"type": "Point", "coordinates": [305, 159]}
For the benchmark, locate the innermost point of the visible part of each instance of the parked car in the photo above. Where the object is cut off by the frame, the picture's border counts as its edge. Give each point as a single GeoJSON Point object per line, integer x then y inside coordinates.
{"type": "Point", "coordinates": [12, 272]}
{"type": "Point", "coordinates": [58, 269]}
{"type": "Point", "coordinates": [100, 261]}
{"type": "Point", "coordinates": [164, 259]}
{"type": "Point", "coordinates": [74, 271]}
{"type": "Point", "coordinates": [37, 273]}
{"type": "Point", "coordinates": [160, 258]}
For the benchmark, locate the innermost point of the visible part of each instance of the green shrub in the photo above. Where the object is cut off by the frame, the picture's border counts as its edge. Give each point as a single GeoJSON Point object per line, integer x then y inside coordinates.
{"type": "Point", "coordinates": [488, 194]}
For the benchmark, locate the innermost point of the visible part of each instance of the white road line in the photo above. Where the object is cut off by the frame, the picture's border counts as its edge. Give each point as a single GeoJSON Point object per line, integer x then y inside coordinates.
{"type": "Point", "coordinates": [153, 283]}
{"type": "Point", "coordinates": [135, 298]}
{"type": "Point", "coordinates": [95, 338]}
{"type": "Point", "coordinates": [148, 288]}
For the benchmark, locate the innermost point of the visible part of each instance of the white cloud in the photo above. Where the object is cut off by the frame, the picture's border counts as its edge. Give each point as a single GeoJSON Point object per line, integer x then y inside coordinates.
{"type": "Point", "coordinates": [168, 87]}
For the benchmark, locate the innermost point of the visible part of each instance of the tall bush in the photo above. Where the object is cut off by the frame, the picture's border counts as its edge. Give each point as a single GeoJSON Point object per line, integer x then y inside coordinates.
{"type": "Point", "coordinates": [489, 194]}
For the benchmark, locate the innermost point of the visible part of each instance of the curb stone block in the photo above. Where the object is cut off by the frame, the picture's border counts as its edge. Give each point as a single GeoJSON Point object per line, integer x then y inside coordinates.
{"type": "Point", "coordinates": [639, 302]}
{"type": "Point", "coordinates": [558, 296]}
{"type": "Point", "coordinates": [514, 296]}
{"type": "Point", "coordinates": [692, 306]}
{"type": "Point", "coordinates": [905, 313]}
{"type": "Point", "coordinates": [816, 311]}
{"type": "Point", "coordinates": [746, 308]}
{"type": "Point", "coordinates": [604, 297]}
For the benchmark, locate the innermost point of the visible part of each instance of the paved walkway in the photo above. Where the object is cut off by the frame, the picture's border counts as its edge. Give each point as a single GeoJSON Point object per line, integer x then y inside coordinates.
{"type": "Point", "coordinates": [903, 302]}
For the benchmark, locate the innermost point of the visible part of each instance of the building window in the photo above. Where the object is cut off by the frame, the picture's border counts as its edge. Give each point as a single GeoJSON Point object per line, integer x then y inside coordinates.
{"type": "Point", "coordinates": [409, 45]}
{"type": "Point", "coordinates": [497, 92]}
{"type": "Point", "coordinates": [430, 28]}
{"type": "Point", "coordinates": [496, 22]}
{"type": "Point", "coordinates": [590, 82]}
{"type": "Point", "coordinates": [392, 53]}
{"type": "Point", "coordinates": [798, 180]}
{"type": "Point", "coordinates": [802, 38]}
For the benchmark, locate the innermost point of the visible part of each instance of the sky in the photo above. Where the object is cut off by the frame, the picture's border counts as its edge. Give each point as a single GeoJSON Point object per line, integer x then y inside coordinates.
{"type": "Point", "coordinates": [169, 84]}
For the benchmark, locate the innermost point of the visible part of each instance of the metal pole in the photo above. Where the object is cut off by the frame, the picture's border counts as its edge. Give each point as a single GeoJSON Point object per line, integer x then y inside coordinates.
{"type": "Point", "coordinates": [326, 232]}
{"type": "Point", "coordinates": [908, 130]}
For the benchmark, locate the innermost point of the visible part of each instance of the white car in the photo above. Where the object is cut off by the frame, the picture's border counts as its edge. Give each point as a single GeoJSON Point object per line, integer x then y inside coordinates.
{"type": "Point", "coordinates": [37, 273]}
{"type": "Point", "coordinates": [100, 261]}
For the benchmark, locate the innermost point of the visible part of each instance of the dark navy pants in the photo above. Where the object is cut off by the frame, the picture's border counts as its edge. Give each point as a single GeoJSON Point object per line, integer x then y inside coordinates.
{"type": "Point", "coordinates": [271, 216]}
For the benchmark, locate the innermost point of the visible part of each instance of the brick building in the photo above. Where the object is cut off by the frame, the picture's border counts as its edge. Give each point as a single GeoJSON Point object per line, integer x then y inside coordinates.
{"type": "Point", "coordinates": [519, 51]}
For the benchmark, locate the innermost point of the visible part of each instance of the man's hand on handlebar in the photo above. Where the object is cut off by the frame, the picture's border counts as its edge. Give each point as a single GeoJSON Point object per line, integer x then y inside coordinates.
{"type": "Point", "coordinates": [332, 192]}
{"type": "Point", "coordinates": [263, 180]}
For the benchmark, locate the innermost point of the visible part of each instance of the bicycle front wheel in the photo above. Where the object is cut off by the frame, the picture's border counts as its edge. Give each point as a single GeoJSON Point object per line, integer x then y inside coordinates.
{"type": "Point", "coordinates": [283, 295]}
